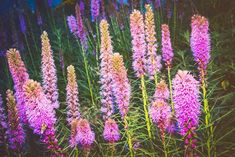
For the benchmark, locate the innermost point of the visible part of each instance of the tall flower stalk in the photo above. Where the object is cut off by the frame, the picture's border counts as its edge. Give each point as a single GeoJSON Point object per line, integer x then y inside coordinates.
{"type": "Point", "coordinates": [167, 56]}
{"type": "Point", "coordinates": [187, 108]}
{"type": "Point", "coordinates": [41, 115]}
{"type": "Point", "coordinates": [122, 91]}
{"type": "Point", "coordinates": [153, 63]}
{"type": "Point", "coordinates": [72, 101]}
{"type": "Point", "coordinates": [49, 72]}
{"type": "Point", "coordinates": [111, 130]}
{"type": "Point", "coordinates": [15, 132]}
{"type": "Point", "coordinates": [139, 52]}
{"type": "Point", "coordinates": [20, 76]}
{"type": "Point", "coordinates": [200, 45]}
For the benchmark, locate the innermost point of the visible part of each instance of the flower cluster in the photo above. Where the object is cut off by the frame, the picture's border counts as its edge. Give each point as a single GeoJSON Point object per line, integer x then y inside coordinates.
{"type": "Point", "coordinates": [3, 123]}
{"type": "Point", "coordinates": [85, 136]}
{"type": "Point", "coordinates": [81, 32]}
{"type": "Point", "coordinates": [49, 72]}
{"type": "Point", "coordinates": [160, 113]}
{"type": "Point", "coordinates": [106, 50]}
{"type": "Point", "coordinates": [187, 105]}
{"type": "Point", "coordinates": [138, 42]}
{"type": "Point", "coordinates": [200, 41]}
{"type": "Point", "coordinates": [111, 131]}
{"type": "Point", "coordinates": [72, 95]}
{"type": "Point", "coordinates": [15, 132]}
{"type": "Point", "coordinates": [153, 61]}
{"type": "Point", "coordinates": [162, 91]}
{"type": "Point", "coordinates": [19, 75]}
{"type": "Point", "coordinates": [72, 23]}
{"type": "Point", "coordinates": [41, 115]}
{"type": "Point", "coordinates": [95, 9]}
{"type": "Point", "coordinates": [167, 51]}
{"type": "Point", "coordinates": [121, 87]}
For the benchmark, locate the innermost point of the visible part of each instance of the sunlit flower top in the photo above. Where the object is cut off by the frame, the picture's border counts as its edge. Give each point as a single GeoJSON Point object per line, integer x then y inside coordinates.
{"type": "Point", "coordinates": [19, 75]}
{"type": "Point", "coordinates": [49, 78]}
{"type": "Point", "coordinates": [106, 50]}
{"type": "Point", "coordinates": [138, 42]}
{"type": "Point", "coordinates": [121, 86]}
{"type": "Point", "coordinates": [162, 91]}
{"type": "Point", "coordinates": [153, 63]}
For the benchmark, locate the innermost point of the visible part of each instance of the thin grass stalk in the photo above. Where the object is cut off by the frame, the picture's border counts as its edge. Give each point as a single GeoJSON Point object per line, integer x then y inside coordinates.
{"type": "Point", "coordinates": [128, 137]}
{"type": "Point", "coordinates": [164, 146]}
{"type": "Point", "coordinates": [98, 43]}
{"type": "Point", "coordinates": [112, 147]}
{"type": "Point", "coordinates": [145, 101]}
{"type": "Point", "coordinates": [155, 79]}
{"type": "Point", "coordinates": [170, 89]}
{"type": "Point", "coordinates": [88, 76]}
{"type": "Point", "coordinates": [30, 53]}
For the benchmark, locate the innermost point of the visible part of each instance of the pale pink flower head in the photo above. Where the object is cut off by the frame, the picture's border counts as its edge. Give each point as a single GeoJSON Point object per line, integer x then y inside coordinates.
{"type": "Point", "coordinates": [138, 42]}
{"type": "Point", "coordinates": [162, 91]}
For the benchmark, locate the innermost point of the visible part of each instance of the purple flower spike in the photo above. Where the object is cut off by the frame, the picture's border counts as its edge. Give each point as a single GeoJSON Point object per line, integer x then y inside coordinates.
{"type": "Point", "coordinates": [22, 24]}
{"type": "Point", "coordinates": [187, 104]}
{"type": "Point", "coordinates": [15, 132]}
{"type": "Point", "coordinates": [167, 51]}
{"type": "Point", "coordinates": [111, 131]}
{"type": "Point", "coordinates": [95, 9]}
{"type": "Point", "coordinates": [200, 42]}
{"type": "Point", "coordinates": [3, 124]}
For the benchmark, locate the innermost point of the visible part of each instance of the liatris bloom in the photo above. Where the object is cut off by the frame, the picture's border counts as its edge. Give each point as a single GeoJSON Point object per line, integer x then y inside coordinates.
{"type": "Point", "coordinates": [15, 132]}
{"type": "Point", "coordinates": [20, 76]}
{"type": "Point", "coordinates": [121, 86]}
{"type": "Point", "coordinates": [160, 113]}
{"type": "Point", "coordinates": [72, 95]}
{"type": "Point", "coordinates": [85, 136]}
{"type": "Point", "coordinates": [72, 23]}
{"type": "Point", "coordinates": [49, 72]}
{"type": "Point", "coordinates": [106, 51]}
{"type": "Point", "coordinates": [138, 42]}
{"type": "Point", "coordinates": [82, 7]}
{"type": "Point", "coordinates": [187, 104]}
{"type": "Point", "coordinates": [200, 42]}
{"type": "Point", "coordinates": [3, 124]}
{"type": "Point", "coordinates": [167, 51]}
{"type": "Point", "coordinates": [22, 24]}
{"type": "Point", "coordinates": [39, 18]}
{"type": "Point", "coordinates": [111, 131]}
{"type": "Point", "coordinates": [81, 29]}
{"type": "Point", "coordinates": [95, 9]}
{"type": "Point", "coordinates": [41, 115]}
{"type": "Point", "coordinates": [162, 91]}
{"type": "Point", "coordinates": [153, 63]}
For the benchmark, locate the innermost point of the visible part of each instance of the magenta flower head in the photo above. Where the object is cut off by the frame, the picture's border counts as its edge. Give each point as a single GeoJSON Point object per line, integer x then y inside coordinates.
{"type": "Point", "coordinates": [15, 132]}
{"type": "Point", "coordinates": [41, 115]}
{"type": "Point", "coordinates": [200, 41]}
{"type": "Point", "coordinates": [106, 50]}
{"type": "Point", "coordinates": [85, 136]}
{"type": "Point", "coordinates": [160, 113]}
{"type": "Point", "coordinates": [49, 77]}
{"type": "Point", "coordinates": [162, 91]}
{"type": "Point", "coordinates": [187, 104]}
{"type": "Point", "coordinates": [95, 9]}
{"type": "Point", "coordinates": [20, 76]}
{"type": "Point", "coordinates": [167, 51]}
{"type": "Point", "coordinates": [153, 63]}
{"type": "Point", "coordinates": [121, 86]}
{"type": "Point", "coordinates": [111, 131]}
{"type": "Point", "coordinates": [138, 42]}
{"type": "Point", "coordinates": [3, 123]}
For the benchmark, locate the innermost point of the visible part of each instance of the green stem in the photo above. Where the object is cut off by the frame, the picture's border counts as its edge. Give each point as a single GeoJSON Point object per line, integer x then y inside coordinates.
{"type": "Point", "coordinates": [128, 137]}
{"type": "Point", "coordinates": [170, 86]}
{"type": "Point", "coordinates": [88, 77]}
{"type": "Point", "coordinates": [145, 101]}
{"type": "Point", "coordinates": [207, 118]}
{"type": "Point", "coordinates": [98, 43]}
{"type": "Point", "coordinates": [164, 146]}
{"type": "Point", "coordinates": [155, 79]}
{"type": "Point", "coordinates": [76, 152]}
{"type": "Point", "coordinates": [30, 53]}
